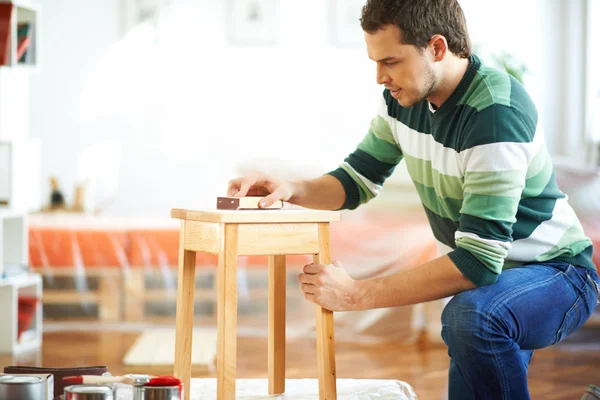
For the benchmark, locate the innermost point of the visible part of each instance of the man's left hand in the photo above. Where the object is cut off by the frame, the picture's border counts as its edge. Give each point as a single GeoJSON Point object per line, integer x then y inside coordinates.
{"type": "Point", "coordinates": [329, 286]}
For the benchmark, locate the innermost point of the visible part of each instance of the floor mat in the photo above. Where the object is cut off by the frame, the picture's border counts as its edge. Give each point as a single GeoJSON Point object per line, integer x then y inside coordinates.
{"type": "Point", "coordinates": [156, 347]}
{"type": "Point", "coordinates": [298, 389]}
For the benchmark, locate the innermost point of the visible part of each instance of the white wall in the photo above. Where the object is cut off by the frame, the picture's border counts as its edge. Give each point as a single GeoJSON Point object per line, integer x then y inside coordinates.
{"type": "Point", "coordinates": [533, 32]}
{"type": "Point", "coordinates": [593, 85]}
{"type": "Point", "coordinates": [75, 35]}
{"type": "Point", "coordinates": [187, 111]}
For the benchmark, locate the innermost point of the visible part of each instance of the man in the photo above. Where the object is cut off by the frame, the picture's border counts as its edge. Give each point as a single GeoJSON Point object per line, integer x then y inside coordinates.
{"type": "Point", "coordinates": [520, 269]}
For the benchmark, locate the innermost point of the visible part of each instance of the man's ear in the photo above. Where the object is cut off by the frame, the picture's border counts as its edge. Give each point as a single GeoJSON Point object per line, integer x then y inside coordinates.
{"type": "Point", "coordinates": [438, 47]}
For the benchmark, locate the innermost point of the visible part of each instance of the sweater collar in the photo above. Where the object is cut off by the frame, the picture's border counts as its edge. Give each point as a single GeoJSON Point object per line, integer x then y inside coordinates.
{"type": "Point", "coordinates": [461, 89]}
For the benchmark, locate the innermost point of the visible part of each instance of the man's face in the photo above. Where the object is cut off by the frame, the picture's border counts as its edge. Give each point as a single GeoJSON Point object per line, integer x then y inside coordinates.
{"type": "Point", "coordinates": [403, 69]}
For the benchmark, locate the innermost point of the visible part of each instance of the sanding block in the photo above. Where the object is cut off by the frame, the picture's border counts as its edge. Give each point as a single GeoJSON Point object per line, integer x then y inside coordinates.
{"type": "Point", "coordinates": [244, 203]}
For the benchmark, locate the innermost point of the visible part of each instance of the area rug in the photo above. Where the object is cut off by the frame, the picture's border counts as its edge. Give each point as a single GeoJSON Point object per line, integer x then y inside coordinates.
{"type": "Point", "coordinates": [156, 347]}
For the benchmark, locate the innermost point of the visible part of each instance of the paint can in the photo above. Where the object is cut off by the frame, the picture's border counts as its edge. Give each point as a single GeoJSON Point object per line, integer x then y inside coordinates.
{"type": "Point", "coordinates": [22, 387]}
{"type": "Point", "coordinates": [157, 393]}
{"type": "Point", "coordinates": [89, 392]}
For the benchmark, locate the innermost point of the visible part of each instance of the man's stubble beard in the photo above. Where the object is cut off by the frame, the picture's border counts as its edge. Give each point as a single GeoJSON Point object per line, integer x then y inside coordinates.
{"type": "Point", "coordinates": [430, 86]}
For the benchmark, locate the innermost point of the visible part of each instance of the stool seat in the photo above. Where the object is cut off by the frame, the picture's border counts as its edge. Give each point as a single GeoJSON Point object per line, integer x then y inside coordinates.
{"type": "Point", "coordinates": [257, 216]}
{"type": "Point", "coordinates": [232, 233]}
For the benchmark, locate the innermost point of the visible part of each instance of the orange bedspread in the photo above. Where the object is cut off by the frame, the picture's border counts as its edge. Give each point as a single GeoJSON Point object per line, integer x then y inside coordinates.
{"type": "Point", "coordinates": [92, 245]}
{"type": "Point", "coordinates": [62, 246]}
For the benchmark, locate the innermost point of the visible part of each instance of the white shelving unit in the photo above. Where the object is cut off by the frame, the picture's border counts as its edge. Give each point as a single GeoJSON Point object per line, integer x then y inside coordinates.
{"type": "Point", "coordinates": [23, 184]}
{"type": "Point", "coordinates": [24, 11]}
{"type": "Point", "coordinates": [14, 240]}
{"type": "Point", "coordinates": [14, 252]}
{"type": "Point", "coordinates": [20, 186]}
{"type": "Point", "coordinates": [10, 290]}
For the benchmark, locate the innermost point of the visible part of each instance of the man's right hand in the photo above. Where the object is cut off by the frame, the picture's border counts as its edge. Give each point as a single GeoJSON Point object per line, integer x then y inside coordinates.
{"type": "Point", "coordinates": [258, 184]}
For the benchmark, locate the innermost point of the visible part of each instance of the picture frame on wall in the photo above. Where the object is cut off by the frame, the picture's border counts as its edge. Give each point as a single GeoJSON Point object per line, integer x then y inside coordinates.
{"type": "Point", "coordinates": [136, 12]}
{"type": "Point", "coordinates": [344, 23]}
{"type": "Point", "coordinates": [252, 22]}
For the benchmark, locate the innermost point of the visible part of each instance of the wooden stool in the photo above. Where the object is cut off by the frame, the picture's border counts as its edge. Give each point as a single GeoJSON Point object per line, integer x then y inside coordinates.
{"type": "Point", "coordinates": [230, 234]}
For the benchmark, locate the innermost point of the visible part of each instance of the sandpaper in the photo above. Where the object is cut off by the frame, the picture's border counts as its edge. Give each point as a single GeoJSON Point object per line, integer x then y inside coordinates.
{"type": "Point", "coordinates": [244, 203]}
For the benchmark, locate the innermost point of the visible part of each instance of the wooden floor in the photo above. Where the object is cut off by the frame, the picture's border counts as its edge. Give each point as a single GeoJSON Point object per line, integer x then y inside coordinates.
{"type": "Point", "coordinates": [562, 372]}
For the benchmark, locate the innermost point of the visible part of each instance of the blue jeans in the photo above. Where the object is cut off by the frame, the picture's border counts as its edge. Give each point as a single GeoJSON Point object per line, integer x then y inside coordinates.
{"type": "Point", "coordinates": [492, 331]}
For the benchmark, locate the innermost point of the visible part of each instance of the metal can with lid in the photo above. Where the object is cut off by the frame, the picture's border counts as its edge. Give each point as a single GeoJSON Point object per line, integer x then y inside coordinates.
{"type": "Point", "coordinates": [157, 393]}
{"type": "Point", "coordinates": [89, 392]}
{"type": "Point", "coordinates": [22, 387]}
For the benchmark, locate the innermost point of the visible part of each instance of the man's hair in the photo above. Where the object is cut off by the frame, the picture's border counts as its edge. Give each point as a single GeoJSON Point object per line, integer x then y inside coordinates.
{"type": "Point", "coordinates": [419, 21]}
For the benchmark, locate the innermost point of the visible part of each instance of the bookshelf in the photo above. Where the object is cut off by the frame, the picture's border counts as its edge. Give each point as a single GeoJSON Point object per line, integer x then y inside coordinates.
{"type": "Point", "coordinates": [20, 289]}
{"type": "Point", "coordinates": [12, 291]}
{"type": "Point", "coordinates": [19, 33]}
{"type": "Point", "coordinates": [14, 241]}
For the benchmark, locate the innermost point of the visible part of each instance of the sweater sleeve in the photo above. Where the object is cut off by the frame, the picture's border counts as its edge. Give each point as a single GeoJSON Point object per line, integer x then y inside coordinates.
{"type": "Point", "coordinates": [365, 170]}
{"type": "Point", "coordinates": [498, 147]}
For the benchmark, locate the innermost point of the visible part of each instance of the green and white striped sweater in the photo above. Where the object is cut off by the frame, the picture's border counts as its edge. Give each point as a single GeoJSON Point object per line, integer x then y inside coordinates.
{"type": "Point", "coordinates": [483, 173]}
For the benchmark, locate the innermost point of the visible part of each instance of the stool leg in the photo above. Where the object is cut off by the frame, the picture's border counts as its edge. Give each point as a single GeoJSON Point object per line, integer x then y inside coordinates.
{"type": "Point", "coordinates": [277, 298]}
{"type": "Point", "coordinates": [184, 324]}
{"type": "Point", "coordinates": [325, 337]}
{"type": "Point", "coordinates": [227, 313]}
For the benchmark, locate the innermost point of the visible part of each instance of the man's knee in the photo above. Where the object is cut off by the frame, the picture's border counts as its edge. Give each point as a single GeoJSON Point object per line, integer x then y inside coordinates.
{"type": "Point", "coordinates": [466, 319]}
